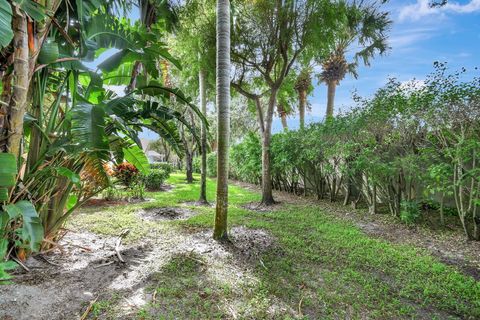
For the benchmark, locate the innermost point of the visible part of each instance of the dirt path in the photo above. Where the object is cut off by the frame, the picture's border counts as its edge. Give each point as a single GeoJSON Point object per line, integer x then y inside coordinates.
{"type": "Point", "coordinates": [89, 270]}
{"type": "Point", "coordinates": [450, 247]}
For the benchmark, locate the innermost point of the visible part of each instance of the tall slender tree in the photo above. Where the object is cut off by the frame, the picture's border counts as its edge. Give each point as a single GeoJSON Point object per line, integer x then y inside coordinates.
{"type": "Point", "coordinates": [363, 27]}
{"type": "Point", "coordinates": [203, 105]}
{"type": "Point", "coordinates": [223, 109]}
{"type": "Point", "coordinates": [269, 36]}
{"type": "Point", "coordinates": [194, 44]}
{"type": "Point", "coordinates": [303, 85]}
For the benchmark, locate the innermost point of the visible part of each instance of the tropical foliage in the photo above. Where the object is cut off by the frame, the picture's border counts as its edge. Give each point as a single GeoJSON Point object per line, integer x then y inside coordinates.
{"type": "Point", "coordinates": [408, 147]}
{"type": "Point", "coordinates": [58, 140]}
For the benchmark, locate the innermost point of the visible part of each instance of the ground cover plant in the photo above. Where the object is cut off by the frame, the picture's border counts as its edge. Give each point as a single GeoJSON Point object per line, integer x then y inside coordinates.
{"type": "Point", "coordinates": [296, 261]}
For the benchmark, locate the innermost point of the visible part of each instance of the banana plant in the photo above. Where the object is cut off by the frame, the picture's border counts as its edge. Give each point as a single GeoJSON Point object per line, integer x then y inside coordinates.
{"type": "Point", "coordinates": [29, 236]}
{"type": "Point", "coordinates": [73, 125]}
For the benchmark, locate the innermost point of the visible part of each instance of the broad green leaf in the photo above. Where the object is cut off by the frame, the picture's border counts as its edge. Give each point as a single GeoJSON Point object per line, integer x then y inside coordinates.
{"type": "Point", "coordinates": [13, 211]}
{"type": "Point", "coordinates": [88, 127]}
{"type": "Point", "coordinates": [32, 229]}
{"type": "Point", "coordinates": [3, 194]}
{"type": "Point", "coordinates": [6, 33]}
{"type": "Point", "coordinates": [137, 157]}
{"type": "Point", "coordinates": [8, 170]}
{"type": "Point", "coordinates": [72, 201]}
{"type": "Point", "coordinates": [72, 176]}
{"type": "Point", "coordinates": [9, 265]}
{"type": "Point", "coordinates": [3, 246]}
{"type": "Point", "coordinates": [33, 9]}
{"type": "Point", "coordinates": [48, 52]}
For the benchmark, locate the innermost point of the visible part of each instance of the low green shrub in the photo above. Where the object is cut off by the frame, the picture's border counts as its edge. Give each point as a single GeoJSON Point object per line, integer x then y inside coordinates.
{"type": "Point", "coordinates": [212, 164]}
{"type": "Point", "coordinates": [155, 179]}
{"type": "Point", "coordinates": [165, 166]}
{"type": "Point", "coordinates": [197, 165]}
{"type": "Point", "coordinates": [409, 212]}
{"type": "Point", "coordinates": [112, 194]}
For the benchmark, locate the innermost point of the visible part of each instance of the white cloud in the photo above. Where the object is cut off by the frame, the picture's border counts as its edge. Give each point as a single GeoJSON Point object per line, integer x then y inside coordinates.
{"type": "Point", "coordinates": [413, 84]}
{"type": "Point", "coordinates": [408, 38]}
{"type": "Point", "coordinates": [422, 9]}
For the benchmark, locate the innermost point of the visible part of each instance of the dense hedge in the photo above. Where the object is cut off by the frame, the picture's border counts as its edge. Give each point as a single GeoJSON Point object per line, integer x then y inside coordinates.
{"type": "Point", "coordinates": [155, 179]}
{"type": "Point", "coordinates": [408, 146]}
{"type": "Point", "coordinates": [165, 166]}
{"type": "Point", "coordinates": [211, 165]}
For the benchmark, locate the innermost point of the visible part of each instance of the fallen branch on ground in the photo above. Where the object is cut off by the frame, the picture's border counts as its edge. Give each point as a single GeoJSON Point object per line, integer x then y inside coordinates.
{"type": "Point", "coordinates": [89, 308]}
{"type": "Point", "coordinates": [119, 242]}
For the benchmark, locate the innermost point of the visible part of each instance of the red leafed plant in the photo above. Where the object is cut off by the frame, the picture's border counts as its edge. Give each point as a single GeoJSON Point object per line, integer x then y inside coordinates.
{"type": "Point", "coordinates": [126, 173]}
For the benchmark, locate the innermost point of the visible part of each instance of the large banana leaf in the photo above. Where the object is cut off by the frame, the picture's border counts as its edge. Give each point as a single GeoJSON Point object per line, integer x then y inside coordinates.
{"type": "Point", "coordinates": [8, 172]}
{"type": "Point", "coordinates": [155, 89]}
{"type": "Point", "coordinates": [33, 9]}
{"type": "Point", "coordinates": [88, 127]}
{"type": "Point", "coordinates": [6, 33]}
{"type": "Point", "coordinates": [137, 157]}
{"type": "Point", "coordinates": [32, 229]}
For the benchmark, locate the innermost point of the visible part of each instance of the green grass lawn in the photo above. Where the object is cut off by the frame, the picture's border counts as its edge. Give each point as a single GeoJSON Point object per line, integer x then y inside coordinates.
{"type": "Point", "coordinates": [322, 267]}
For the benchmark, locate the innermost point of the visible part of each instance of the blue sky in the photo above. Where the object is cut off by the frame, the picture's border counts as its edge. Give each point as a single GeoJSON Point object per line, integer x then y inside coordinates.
{"type": "Point", "coordinates": [419, 36]}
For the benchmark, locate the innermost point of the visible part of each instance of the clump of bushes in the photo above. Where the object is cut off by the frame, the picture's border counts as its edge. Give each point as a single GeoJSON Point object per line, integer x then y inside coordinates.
{"type": "Point", "coordinates": [197, 165]}
{"type": "Point", "coordinates": [212, 164]}
{"type": "Point", "coordinates": [406, 146]}
{"type": "Point", "coordinates": [165, 166]}
{"type": "Point", "coordinates": [155, 179]}
{"type": "Point", "coordinates": [409, 212]}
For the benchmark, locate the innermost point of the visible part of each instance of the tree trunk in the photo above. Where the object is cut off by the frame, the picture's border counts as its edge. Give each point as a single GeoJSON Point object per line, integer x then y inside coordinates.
{"type": "Point", "coordinates": [267, 195]}
{"type": "Point", "coordinates": [18, 102]}
{"type": "Point", "coordinates": [442, 215]}
{"type": "Point", "coordinates": [302, 97]}
{"type": "Point", "coordinates": [5, 110]}
{"type": "Point", "coordinates": [330, 98]}
{"type": "Point", "coordinates": [189, 166]}
{"type": "Point", "coordinates": [223, 109]}
{"type": "Point", "coordinates": [203, 105]}
{"type": "Point", "coordinates": [283, 116]}
{"type": "Point", "coordinates": [373, 205]}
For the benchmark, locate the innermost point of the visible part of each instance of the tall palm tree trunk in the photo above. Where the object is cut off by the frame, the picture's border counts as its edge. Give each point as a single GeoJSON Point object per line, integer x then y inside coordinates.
{"type": "Point", "coordinates": [283, 116]}
{"type": "Point", "coordinates": [223, 107]}
{"type": "Point", "coordinates": [203, 104]}
{"type": "Point", "coordinates": [332, 85]}
{"type": "Point", "coordinates": [302, 99]}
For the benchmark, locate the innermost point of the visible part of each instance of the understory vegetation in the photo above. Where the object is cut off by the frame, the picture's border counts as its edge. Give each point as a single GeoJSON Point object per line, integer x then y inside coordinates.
{"type": "Point", "coordinates": [320, 266]}
{"type": "Point", "coordinates": [406, 151]}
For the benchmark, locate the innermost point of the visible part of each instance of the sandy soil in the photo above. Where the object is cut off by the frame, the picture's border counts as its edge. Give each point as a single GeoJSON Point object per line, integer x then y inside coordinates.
{"type": "Point", "coordinates": [62, 285]}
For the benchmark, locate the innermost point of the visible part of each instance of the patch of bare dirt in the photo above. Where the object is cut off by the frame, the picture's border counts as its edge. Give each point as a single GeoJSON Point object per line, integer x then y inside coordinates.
{"type": "Point", "coordinates": [62, 285]}
{"type": "Point", "coordinates": [448, 246]}
{"type": "Point", "coordinates": [166, 213]}
{"type": "Point", "coordinates": [198, 204]}
{"type": "Point", "coordinates": [99, 202]}
{"type": "Point", "coordinates": [166, 188]}
{"type": "Point", "coordinates": [259, 207]}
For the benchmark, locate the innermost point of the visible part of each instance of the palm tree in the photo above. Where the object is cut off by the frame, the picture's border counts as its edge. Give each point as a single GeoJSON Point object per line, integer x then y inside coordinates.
{"type": "Point", "coordinates": [302, 86]}
{"type": "Point", "coordinates": [363, 27]}
{"type": "Point", "coordinates": [203, 105]}
{"type": "Point", "coordinates": [223, 107]}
